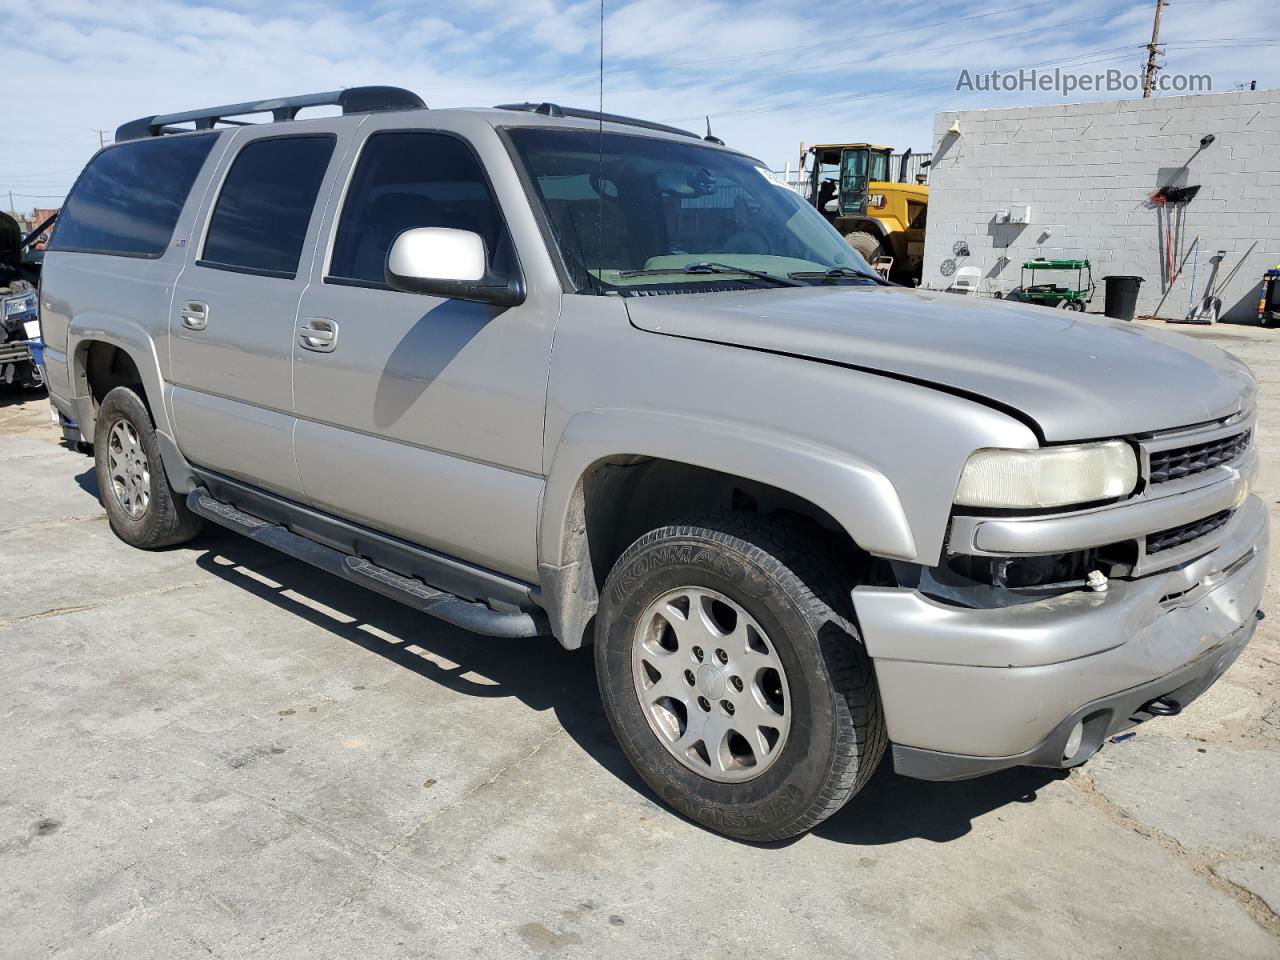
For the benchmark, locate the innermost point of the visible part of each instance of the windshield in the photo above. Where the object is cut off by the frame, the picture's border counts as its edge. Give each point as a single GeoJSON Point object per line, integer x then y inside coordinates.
{"type": "Point", "coordinates": [630, 211]}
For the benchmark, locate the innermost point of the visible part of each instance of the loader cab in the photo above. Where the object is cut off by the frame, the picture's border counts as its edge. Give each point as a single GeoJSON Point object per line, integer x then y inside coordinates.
{"type": "Point", "coordinates": [840, 176]}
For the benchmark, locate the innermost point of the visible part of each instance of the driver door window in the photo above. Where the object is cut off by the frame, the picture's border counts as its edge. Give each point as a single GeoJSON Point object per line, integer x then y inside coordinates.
{"type": "Point", "coordinates": [406, 180]}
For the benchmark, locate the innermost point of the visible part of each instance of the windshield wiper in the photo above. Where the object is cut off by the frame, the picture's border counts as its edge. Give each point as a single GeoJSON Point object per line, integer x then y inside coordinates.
{"type": "Point", "coordinates": [712, 267]}
{"type": "Point", "coordinates": [837, 273]}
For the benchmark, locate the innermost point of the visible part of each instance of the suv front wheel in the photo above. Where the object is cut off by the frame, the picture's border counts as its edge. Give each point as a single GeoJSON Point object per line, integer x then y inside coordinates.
{"type": "Point", "coordinates": [144, 511]}
{"type": "Point", "coordinates": [734, 683]}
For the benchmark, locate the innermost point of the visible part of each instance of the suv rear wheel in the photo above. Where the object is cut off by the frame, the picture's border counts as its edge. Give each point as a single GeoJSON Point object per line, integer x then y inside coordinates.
{"type": "Point", "coordinates": [735, 684]}
{"type": "Point", "coordinates": [144, 511]}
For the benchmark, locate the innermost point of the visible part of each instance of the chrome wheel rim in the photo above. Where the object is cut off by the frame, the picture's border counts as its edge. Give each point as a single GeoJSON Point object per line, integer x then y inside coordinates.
{"type": "Point", "coordinates": [710, 684]}
{"type": "Point", "coordinates": [129, 470]}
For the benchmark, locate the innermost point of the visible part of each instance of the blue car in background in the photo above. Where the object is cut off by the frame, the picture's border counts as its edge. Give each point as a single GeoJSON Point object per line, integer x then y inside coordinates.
{"type": "Point", "coordinates": [19, 308]}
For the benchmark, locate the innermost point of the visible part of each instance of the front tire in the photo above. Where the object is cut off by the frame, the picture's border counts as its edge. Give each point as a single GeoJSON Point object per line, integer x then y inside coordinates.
{"type": "Point", "coordinates": [865, 243]}
{"type": "Point", "coordinates": [780, 724]}
{"type": "Point", "coordinates": [143, 510]}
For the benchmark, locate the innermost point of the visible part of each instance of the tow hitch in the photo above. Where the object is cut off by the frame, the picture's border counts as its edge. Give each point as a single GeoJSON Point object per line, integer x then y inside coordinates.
{"type": "Point", "coordinates": [1162, 707]}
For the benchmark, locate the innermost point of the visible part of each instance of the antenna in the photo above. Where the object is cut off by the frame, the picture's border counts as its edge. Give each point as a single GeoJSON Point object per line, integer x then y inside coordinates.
{"type": "Point", "coordinates": [710, 137]}
{"type": "Point", "coordinates": [600, 159]}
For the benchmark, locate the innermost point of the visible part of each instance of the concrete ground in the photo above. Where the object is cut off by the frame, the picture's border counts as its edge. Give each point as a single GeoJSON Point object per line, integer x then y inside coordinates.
{"type": "Point", "coordinates": [213, 750]}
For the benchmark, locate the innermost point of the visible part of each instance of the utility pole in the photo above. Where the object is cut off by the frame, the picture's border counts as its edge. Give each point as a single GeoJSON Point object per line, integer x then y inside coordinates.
{"type": "Point", "coordinates": [1153, 48]}
{"type": "Point", "coordinates": [102, 134]}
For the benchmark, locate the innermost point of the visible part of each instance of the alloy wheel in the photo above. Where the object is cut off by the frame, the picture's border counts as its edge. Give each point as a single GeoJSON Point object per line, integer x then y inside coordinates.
{"type": "Point", "coordinates": [129, 469]}
{"type": "Point", "coordinates": [710, 684]}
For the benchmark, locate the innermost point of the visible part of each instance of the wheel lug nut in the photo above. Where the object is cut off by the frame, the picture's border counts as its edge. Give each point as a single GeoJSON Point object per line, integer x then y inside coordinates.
{"type": "Point", "coordinates": [727, 707]}
{"type": "Point", "coordinates": [697, 654]}
{"type": "Point", "coordinates": [705, 704]}
{"type": "Point", "coordinates": [688, 677]}
{"type": "Point", "coordinates": [722, 656]}
{"type": "Point", "coordinates": [737, 683]}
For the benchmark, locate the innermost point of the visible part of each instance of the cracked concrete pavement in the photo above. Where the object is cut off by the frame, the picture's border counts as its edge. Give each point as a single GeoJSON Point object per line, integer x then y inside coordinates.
{"type": "Point", "coordinates": [216, 751]}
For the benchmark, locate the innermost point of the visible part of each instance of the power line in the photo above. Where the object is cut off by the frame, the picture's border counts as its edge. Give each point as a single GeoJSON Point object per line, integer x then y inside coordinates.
{"type": "Point", "coordinates": [1060, 61]}
{"type": "Point", "coordinates": [877, 94]}
{"type": "Point", "coordinates": [873, 59]}
{"type": "Point", "coordinates": [768, 52]}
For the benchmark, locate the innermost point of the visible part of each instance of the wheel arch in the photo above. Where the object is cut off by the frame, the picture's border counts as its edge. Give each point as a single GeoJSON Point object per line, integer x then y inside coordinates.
{"type": "Point", "coordinates": [109, 352]}
{"type": "Point", "coordinates": [602, 493]}
{"type": "Point", "coordinates": [866, 225]}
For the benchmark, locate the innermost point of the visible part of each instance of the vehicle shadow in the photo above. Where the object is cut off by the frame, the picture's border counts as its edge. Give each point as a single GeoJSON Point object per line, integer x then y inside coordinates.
{"type": "Point", "coordinates": [544, 676]}
{"type": "Point", "coordinates": [11, 396]}
{"type": "Point", "coordinates": [892, 808]}
{"type": "Point", "coordinates": [88, 481]}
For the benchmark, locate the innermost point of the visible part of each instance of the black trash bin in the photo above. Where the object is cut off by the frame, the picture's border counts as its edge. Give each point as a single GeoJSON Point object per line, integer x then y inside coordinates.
{"type": "Point", "coordinates": [1122, 297]}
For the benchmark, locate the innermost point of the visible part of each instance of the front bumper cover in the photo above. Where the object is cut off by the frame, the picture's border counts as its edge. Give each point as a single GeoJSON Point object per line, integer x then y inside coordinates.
{"type": "Point", "coordinates": [967, 691]}
{"type": "Point", "coordinates": [1099, 719]}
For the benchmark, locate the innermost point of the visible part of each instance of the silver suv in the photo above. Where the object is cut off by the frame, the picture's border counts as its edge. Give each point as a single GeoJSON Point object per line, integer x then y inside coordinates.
{"type": "Point", "coordinates": [533, 370]}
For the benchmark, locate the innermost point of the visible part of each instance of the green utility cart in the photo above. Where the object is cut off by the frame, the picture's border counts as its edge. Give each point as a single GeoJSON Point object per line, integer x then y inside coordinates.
{"type": "Point", "coordinates": [1058, 294]}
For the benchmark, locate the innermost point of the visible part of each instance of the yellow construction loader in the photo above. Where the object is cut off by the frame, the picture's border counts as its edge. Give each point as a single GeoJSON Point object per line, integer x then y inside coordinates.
{"type": "Point", "coordinates": [883, 219]}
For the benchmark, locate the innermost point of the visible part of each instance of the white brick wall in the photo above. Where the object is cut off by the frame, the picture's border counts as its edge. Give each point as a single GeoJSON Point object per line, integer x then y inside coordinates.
{"type": "Point", "coordinates": [1087, 170]}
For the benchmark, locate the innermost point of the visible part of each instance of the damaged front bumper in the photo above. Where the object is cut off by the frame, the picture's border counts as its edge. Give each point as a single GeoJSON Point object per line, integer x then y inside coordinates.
{"type": "Point", "coordinates": [969, 691]}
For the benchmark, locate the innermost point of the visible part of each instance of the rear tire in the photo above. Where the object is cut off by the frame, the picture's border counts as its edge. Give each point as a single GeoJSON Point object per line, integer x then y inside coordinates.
{"type": "Point", "coordinates": [143, 510]}
{"type": "Point", "coordinates": [776, 631]}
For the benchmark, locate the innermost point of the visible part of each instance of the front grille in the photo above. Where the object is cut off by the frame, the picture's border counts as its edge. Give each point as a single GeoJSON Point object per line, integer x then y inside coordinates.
{"type": "Point", "coordinates": [1197, 458]}
{"type": "Point", "coordinates": [1177, 536]}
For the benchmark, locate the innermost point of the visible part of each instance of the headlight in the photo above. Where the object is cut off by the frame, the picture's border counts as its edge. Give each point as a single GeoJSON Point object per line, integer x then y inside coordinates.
{"type": "Point", "coordinates": [15, 306]}
{"type": "Point", "coordinates": [1049, 477]}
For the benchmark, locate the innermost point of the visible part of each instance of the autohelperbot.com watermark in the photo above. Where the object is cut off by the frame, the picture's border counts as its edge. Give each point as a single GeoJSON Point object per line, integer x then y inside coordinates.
{"type": "Point", "coordinates": [1030, 80]}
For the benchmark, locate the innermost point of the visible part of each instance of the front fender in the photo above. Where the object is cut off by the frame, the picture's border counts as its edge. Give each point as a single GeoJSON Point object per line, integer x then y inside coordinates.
{"type": "Point", "coordinates": [858, 497]}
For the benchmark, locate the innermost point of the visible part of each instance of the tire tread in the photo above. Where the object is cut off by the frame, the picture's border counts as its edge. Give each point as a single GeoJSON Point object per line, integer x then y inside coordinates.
{"type": "Point", "coordinates": [861, 739]}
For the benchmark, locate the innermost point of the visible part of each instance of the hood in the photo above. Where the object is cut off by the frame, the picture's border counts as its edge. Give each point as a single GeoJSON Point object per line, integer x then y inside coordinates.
{"type": "Point", "coordinates": [1077, 377]}
{"type": "Point", "coordinates": [10, 241]}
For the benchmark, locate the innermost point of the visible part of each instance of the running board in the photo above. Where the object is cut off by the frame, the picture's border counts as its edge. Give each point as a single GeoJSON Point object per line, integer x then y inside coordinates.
{"type": "Point", "coordinates": [475, 617]}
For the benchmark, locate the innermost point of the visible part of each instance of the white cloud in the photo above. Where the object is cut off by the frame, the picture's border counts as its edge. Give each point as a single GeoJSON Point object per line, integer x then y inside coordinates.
{"type": "Point", "coordinates": [770, 74]}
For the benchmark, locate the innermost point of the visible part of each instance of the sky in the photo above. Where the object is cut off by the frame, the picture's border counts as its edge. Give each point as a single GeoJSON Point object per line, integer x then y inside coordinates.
{"type": "Point", "coordinates": [770, 75]}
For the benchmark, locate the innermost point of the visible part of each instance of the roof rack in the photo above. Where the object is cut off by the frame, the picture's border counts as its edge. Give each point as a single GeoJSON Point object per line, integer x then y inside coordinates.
{"type": "Point", "coordinates": [555, 110]}
{"type": "Point", "coordinates": [351, 100]}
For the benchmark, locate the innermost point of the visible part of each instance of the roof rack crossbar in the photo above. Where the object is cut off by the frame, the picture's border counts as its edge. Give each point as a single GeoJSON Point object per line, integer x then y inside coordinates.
{"type": "Point", "coordinates": [351, 100]}
{"type": "Point", "coordinates": [555, 110]}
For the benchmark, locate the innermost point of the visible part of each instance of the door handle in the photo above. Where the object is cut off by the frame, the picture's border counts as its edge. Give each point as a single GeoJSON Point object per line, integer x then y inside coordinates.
{"type": "Point", "coordinates": [195, 315]}
{"type": "Point", "coordinates": [319, 334]}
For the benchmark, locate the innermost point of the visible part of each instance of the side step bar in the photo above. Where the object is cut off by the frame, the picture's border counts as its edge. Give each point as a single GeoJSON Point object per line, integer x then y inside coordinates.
{"type": "Point", "coordinates": [475, 617]}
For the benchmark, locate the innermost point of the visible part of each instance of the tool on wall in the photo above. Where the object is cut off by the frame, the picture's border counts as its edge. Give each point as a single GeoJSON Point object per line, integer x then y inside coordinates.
{"type": "Point", "coordinates": [1195, 247]}
{"type": "Point", "coordinates": [1172, 200]}
{"type": "Point", "coordinates": [1209, 310]}
{"type": "Point", "coordinates": [1169, 280]}
{"type": "Point", "coordinates": [1195, 267]}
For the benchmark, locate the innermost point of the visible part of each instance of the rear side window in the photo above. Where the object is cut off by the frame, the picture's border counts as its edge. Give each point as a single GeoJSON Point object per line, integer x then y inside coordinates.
{"type": "Point", "coordinates": [406, 180]}
{"type": "Point", "coordinates": [261, 219]}
{"type": "Point", "coordinates": [128, 199]}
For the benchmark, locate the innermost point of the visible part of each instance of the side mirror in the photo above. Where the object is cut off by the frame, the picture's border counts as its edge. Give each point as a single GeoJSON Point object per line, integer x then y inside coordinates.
{"type": "Point", "coordinates": [450, 263]}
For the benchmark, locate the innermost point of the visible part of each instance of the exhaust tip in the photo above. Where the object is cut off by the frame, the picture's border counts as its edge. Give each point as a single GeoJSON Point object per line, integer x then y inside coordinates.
{"type": "Point", "coordinates": [1072, 746]}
